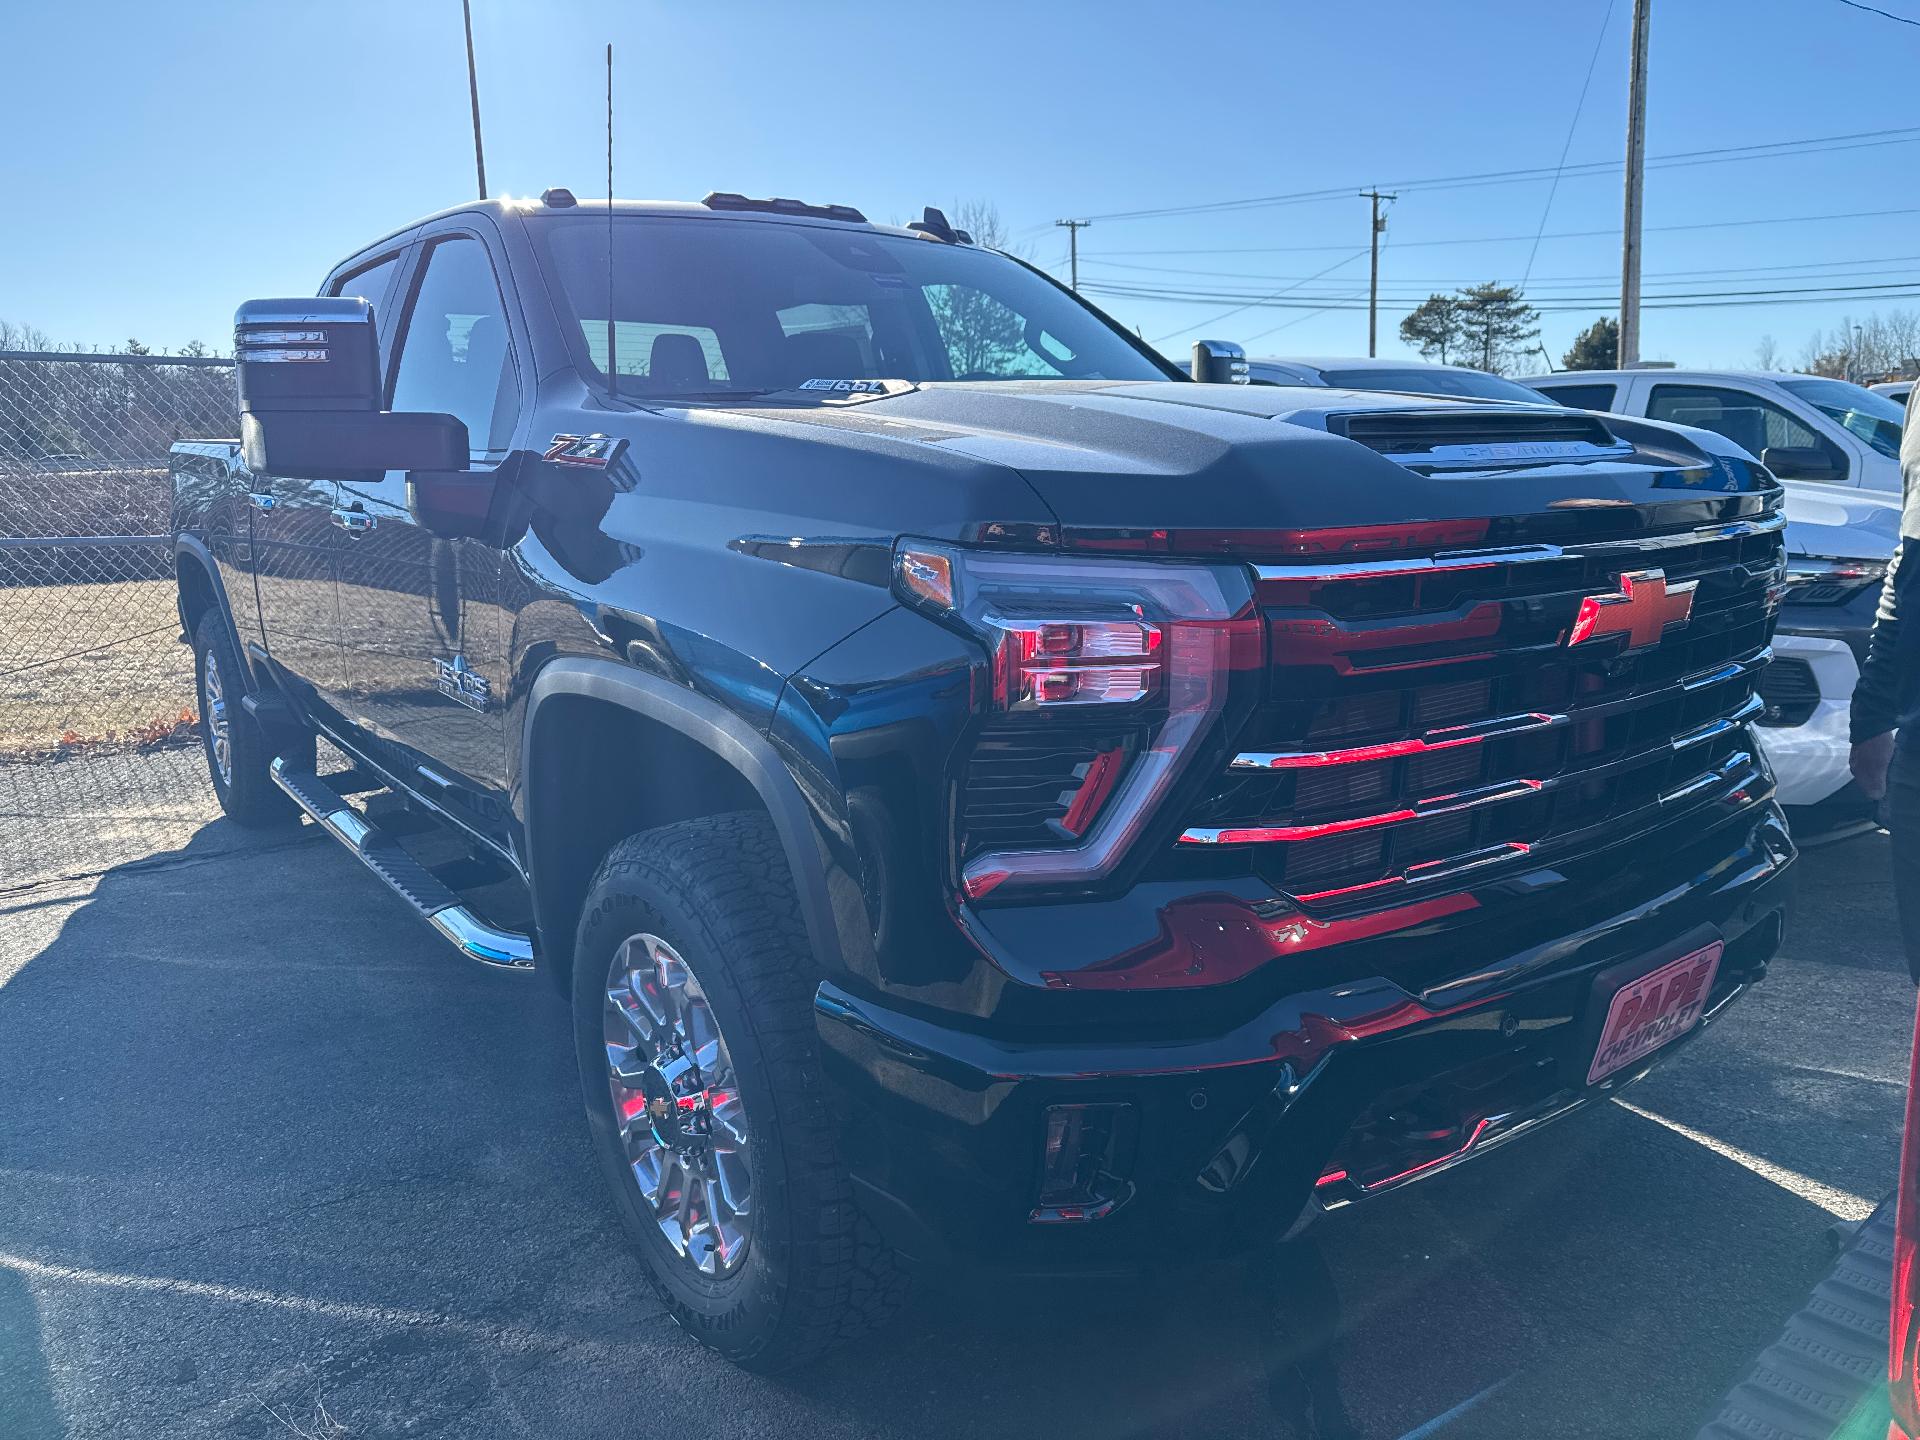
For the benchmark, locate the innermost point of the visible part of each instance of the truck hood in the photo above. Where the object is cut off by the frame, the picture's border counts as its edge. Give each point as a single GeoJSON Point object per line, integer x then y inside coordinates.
{"type": "Point", "coordinates": [1178, 456]}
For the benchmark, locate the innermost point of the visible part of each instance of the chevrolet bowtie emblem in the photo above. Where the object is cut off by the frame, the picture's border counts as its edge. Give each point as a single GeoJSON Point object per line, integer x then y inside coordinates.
{"type": "Point", "coordinates": [1644, 607]}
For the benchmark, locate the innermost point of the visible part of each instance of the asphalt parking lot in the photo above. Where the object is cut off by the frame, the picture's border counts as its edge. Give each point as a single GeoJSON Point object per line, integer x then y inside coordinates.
{"type": "Point", "coordinates": [273, 1163]}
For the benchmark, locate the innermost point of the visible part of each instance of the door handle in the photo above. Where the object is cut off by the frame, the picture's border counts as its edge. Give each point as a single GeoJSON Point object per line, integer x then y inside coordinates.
{"type": "Point", "coordinates": [261, 501]}
{"type": "Point", "coordinates": [354, 522]}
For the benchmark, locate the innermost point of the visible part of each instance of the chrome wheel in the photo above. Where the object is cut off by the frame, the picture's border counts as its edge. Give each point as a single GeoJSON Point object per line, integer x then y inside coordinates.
{"type": "Point", "coordinates": [213, 713]}
{"type": "Point", "coordinates": [678, 1105]}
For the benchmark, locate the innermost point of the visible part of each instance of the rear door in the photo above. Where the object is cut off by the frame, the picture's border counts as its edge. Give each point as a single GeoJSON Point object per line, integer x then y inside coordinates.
{"type": "Point", "coordinates": [420, 623]}
{"type": "Point", "coordinates": [297, 538]}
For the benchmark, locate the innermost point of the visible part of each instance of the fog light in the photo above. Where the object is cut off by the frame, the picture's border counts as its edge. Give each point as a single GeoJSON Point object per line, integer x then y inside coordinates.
{"type": "Point", "coordinates": [1082, 1151]}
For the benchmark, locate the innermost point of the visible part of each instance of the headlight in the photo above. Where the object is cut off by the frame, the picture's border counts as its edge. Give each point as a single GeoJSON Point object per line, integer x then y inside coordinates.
{"type": "Point", "coordinates": [1121, 667]}
{"type": "Point", "coordinates": [1815, 581]}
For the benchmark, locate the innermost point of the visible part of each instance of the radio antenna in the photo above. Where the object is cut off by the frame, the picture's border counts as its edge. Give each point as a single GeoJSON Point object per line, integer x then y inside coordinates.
{"type": "Point", "coordinates": [613, 372]}
{"type": "Point", "coordinates": [473, 96]}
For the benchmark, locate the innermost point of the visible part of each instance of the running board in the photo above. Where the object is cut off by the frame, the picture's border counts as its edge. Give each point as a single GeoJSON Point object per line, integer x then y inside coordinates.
{"type": "Point", "coordinates": [404, 875]}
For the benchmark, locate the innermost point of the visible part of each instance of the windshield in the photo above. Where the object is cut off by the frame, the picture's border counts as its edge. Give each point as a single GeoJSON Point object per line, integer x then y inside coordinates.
{"type": "Point", "coordinates": [716, 308]}
{"type": "Point", "coordinates": [1474, 384]}
{"type": "Point", "coordinates": [1872, 418]}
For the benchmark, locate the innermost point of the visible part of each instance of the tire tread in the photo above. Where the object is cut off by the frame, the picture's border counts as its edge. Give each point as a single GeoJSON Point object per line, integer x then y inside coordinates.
{"type": "Point", "coordinates": [731, 876]}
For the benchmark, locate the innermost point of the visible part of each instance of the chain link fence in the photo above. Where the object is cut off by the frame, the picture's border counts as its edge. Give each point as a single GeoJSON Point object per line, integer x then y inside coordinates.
{"type": "Point", "coordinates": [99, 759]}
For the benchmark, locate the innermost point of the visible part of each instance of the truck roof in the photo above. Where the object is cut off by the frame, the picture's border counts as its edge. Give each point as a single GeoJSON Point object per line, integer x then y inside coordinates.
{"type": "Point", "coordinates": [1663, 373]}
{"type": "Point", "coordinates": [505, 207]}
{"type": "Point", "coordinates": [1360, 362]}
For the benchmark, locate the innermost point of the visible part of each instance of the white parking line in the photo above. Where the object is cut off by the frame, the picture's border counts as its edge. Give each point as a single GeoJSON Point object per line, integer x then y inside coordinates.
{"type": "Point", "coordinates": [1834, 1201]}
{"type": "Point", "coordinates": [384, 1316]}
{"type": "Point", "coordinates": [1447, 1417]}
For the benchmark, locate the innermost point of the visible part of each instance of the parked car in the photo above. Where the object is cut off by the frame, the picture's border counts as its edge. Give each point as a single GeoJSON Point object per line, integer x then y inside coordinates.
{"type": "Point", "coordinates": [1895, 390]}
{"type": "Point", "coordinates": [1838, 544]}
{"type": "Point", "coordinates": [987, 798]}
{"type": "Point", "coordinates": [1409, 377]}
{"type": "Point", "coordinates": [1802, 427]}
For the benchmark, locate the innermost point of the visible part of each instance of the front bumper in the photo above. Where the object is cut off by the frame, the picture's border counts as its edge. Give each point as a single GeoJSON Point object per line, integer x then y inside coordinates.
{"type": "Point", "coordinates": [1810, 759]}
{"type": "Point", "coordinates": [1234, 1135]}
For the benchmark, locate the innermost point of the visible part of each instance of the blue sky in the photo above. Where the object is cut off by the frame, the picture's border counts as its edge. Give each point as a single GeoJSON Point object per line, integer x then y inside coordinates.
{"type": "Point", "coordinates": [163, 162]}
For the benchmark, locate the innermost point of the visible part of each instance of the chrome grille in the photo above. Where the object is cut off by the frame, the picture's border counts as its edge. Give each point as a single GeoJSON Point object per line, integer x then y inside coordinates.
{"type": "Point", "coordinates": [1426, 718]}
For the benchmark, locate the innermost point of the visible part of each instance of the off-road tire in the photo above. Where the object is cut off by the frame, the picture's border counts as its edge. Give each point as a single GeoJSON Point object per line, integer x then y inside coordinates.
{"type": "Point", "coordinates": [247, 794]}
{"type": "Point", "coordinates": [816, 1273]}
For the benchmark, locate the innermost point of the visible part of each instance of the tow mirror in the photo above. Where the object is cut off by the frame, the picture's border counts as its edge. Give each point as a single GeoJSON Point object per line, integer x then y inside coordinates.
{"type": "Point", "coordinates": [1801, 462]}
{"type": "Point", "coordinates": [1220, 362]}
{"type": "Point", "coordinates": [309, 381]}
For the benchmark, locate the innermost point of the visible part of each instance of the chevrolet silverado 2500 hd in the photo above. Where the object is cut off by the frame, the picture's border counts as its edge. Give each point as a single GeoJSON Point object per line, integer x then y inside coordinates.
{"type": "Point", "coordinates": [988, 797]}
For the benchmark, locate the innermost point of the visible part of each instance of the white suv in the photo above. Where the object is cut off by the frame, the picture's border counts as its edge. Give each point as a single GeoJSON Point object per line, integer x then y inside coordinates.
{"type": "Point", "coordinates": [1801, 427]}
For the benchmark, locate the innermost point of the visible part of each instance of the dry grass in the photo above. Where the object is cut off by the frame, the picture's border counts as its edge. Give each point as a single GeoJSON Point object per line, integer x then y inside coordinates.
{"type": "Point", "coordinates": [91, 665]}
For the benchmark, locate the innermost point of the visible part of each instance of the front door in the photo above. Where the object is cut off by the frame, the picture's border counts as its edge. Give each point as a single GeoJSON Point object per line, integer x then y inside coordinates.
{"type": "Point", "coordinates": [1755, 422]}
{"type": "Point", "coordinates": [423, 635]}
{"type": "Point", "coordinates": [295, 540]}
{"type": "Point", "coordinates": [298, 531]}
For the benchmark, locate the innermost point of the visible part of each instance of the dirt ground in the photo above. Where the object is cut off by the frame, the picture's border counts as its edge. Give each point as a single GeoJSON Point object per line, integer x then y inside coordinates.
{"type": "Point", "coordinates": [95, 663]}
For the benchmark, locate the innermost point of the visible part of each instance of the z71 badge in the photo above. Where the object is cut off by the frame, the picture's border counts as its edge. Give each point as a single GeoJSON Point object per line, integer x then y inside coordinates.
{"type": "Point", "coordinates": [598, 451]}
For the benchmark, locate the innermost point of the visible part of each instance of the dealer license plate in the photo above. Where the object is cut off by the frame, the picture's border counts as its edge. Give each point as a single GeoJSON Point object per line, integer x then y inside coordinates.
{"type": "Point", "coordinates": [1654, 1010]}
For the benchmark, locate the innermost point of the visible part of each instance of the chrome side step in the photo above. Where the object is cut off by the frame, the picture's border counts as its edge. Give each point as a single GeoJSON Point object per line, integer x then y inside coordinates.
{"type": "Point", "coordinates": [405, 876]}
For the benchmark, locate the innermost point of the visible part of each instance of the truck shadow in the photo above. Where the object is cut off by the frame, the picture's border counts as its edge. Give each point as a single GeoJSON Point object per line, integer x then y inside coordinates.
{"type": "Point", "coordinates": [265, 1143]}
{"type": "Point", "coordinates": [26, 1385]}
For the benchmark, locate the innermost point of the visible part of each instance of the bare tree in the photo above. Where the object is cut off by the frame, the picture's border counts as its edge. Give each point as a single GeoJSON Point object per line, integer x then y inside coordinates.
{"type": "Point", "coordinates": [1766, 355]}
{"type": "Point", "coordinates": [1817, 357]}
{"type": "Point", "coordinates": [981, 220]}
{"type": "Point", "coordinates": [1901, 331]}
{"type": "Point", "coordinates": [26, 337]}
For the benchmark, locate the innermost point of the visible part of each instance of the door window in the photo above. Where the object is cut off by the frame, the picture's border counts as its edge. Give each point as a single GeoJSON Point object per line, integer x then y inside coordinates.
{"type": "Point", "coordinates": [1754, 424]}
{"type": "Point", "coordinates": [370, 283]}
{"type": "Point", "coordinates": [454, 355]}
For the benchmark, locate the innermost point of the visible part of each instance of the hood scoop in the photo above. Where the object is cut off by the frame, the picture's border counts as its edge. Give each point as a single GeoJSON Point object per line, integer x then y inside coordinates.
{"type": "Point", "coordinates": [1472, 439]}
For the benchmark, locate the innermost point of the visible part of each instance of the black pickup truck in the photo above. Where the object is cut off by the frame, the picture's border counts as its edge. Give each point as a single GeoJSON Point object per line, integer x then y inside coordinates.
{"type": "Point", "coordinates": [989, 798]}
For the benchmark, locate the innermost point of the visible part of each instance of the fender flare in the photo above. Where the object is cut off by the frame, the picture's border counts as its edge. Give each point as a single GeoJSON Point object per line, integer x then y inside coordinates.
{"type": "Point", "coordinates": [189, 544]}
{"type": "Point", "coordinates": [731, 739]}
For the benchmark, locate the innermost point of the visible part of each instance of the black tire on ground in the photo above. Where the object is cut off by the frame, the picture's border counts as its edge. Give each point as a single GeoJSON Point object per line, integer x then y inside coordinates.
{"type": "Point", "coordinates": [815, 1273]}
{"type": "Point", "coordinates": [247, 792]}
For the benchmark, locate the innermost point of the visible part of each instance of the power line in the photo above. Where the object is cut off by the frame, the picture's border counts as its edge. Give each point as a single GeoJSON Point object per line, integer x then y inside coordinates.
{"type": "Point", "coordinates": [1357, 304]}
{"type": "Point", "coordinates": [1579, 106]}
{"type": "Point", "coordinates": [1186, 329]}
{"type": "Point", "coordinates": [1273, 301]}
{"type": "Point", "coordinates": [1516, 239]}
{"type": "Point", "coordinates": [1814, 144]}
{"type": "Point", "coordinates": [1430, 281]}
{"type": "Point", "coordinates": [1883, 14]}
{"type": "Point", "coordinates": [1297, 320]}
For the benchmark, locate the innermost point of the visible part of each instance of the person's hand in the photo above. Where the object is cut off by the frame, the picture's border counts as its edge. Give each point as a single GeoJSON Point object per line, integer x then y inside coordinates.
{"type": "Point", "coordinates": [1869, 762]}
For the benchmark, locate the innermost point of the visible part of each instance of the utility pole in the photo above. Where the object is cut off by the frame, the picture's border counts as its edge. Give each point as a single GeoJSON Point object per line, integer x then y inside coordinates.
{"type": "Point", "coordinates": [1373, 284]}
{"type": "Point", "coordinates": [1636, 179]}
{"type": "Point", "coordinates": [473, 94]}
{"type": "Point", "coordinates": [1073, 228]}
